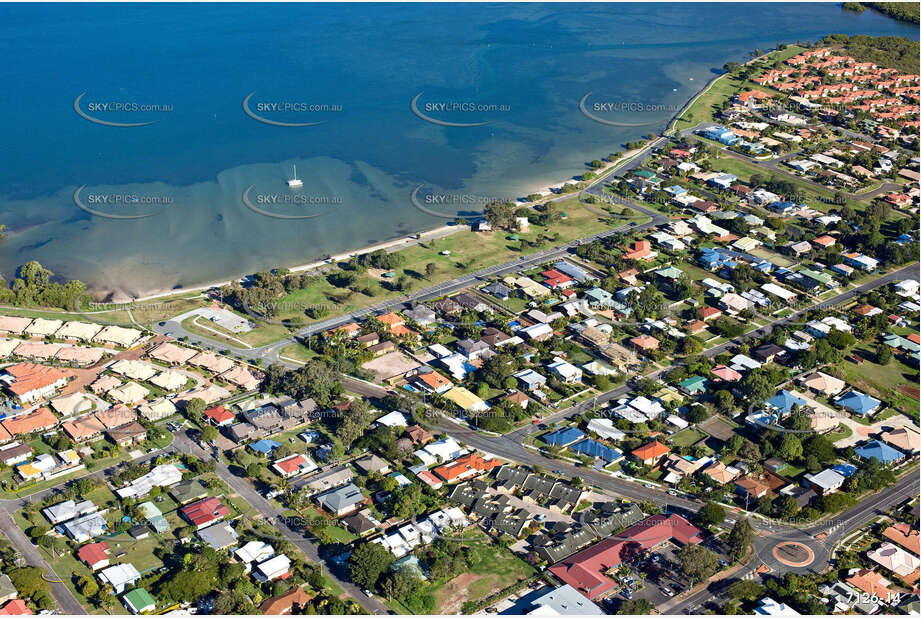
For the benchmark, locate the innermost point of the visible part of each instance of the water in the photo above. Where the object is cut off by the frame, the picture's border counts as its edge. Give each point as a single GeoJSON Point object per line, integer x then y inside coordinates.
{"type": "Point", "coordinates": [532, 62]}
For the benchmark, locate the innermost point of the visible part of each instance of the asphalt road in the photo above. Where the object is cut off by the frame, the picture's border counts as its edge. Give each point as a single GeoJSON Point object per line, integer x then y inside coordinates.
{"type": "Point", "coordinates": [274, 517]}
{"type": "Point", "coordinates": [65, 599]}
{"type": "Point", "coordinates": [836, 529]}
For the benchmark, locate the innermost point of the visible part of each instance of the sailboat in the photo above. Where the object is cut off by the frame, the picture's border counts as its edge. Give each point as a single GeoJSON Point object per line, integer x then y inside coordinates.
{"type": "Point", "coordinates": [295, 182]}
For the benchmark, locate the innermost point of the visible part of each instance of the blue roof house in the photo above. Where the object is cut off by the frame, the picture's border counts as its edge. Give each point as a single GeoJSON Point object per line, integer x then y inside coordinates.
{"type": "Point", "coordinates": [784, 401]}
{"type": "Point", "coordinates": [858, 403]}
{"type": "Point", "coordinates": [714, 260]}
{"type": "Point", "coordinates": [845, 470]}
{"type": "Point", "coordinates": [879, 451]}
{"type": "Point", "coordinates": [563, 437]}
{"type": "Point", "coordinates": [675, 190]}
{"type": "Point", "coordinates": [783, 208]}
{"type": "Point", "coordinates": [264, 447]}
{"type": "Point", "coordinates": [593, 448]}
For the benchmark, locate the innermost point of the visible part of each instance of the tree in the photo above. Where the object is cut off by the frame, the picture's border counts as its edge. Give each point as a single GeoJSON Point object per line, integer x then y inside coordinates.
{"type": "Point", "coordinates": [790, 447]}
{"type": "Point", "coordinates": [367, 562]}
{"type": "Point", "coordinates": [724, 401]}
{"type": "Point", "coordinates": [697, 562]}
{"type": "Point", "coordinates": [711, 514]}
{"type": "Point", "coordinates": [500, 214]}
{"type": "Point", "coordinates": [747, 589]}
{"type": "Point", "coordinates": [430, 270]}
{"type": "Point", "coordinates": [740, 538]}
{"type": "Point", "coordinates": [209, 433]}
{"type": "Point", "coordinates": [233, 602]}
{"type": "Point", "coordinates": [28, 580]}
{"type": "Point", "coordinates": [635, 607]}
{"type": "Point", "coordinates": [698, 413]}
{"type": "Point", "coordinates": [194, 408]}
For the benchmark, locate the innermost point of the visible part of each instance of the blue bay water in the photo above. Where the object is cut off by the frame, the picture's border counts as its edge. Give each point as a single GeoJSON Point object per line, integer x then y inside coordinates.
{"type": "Point", "coordinates": [533, 61]}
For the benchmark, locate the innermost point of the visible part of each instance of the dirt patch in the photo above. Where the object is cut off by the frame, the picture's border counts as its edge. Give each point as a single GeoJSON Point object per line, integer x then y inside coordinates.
{"type": "Point", "coordinates": [455, 592]}
{"type": "Point", "coordinates": [911, 391]}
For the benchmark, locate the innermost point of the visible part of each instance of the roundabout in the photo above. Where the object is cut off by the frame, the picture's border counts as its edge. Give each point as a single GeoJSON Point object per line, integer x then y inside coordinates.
{"type": "Point", "coordinates": [793, 554]}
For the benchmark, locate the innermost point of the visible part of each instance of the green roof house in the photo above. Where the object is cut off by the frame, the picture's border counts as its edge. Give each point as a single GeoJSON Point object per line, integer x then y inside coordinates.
{"type": "Point", "coordinates": [694, 385]}
{"type": "Point", "coordinates": [139, 601]}
{"type": "Point", "coordinates": [670, 272]}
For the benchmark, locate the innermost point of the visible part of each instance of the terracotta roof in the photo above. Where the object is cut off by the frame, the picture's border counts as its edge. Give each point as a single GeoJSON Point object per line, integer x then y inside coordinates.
{"type": "Point", "coordinates": [751, 486]}
{"type": "Point", "coordinates": [391, 319]}
{"type": "Point", "coordinates": [15, 607]}
{"type": "Point", "coordinates": [43, 418]}
{"type": "Point", "coordinates": [284, 603]}
{"type": "Point", "coordinates": [465, 463]}
{"type": "Point", "coordinates": [93, 553]}
{"type": "Point", "coordinates": [82, 428]}
{"type": "Point", "coordinates": [720, 473]}
{"type": "Point", "coordinates": [434, 379]}
{"type": "Point", "coordinates": [29, 377]}
{"type": "Point", "coordinates": [204, 511]}
{"type": "Point", "coordinates": [587, 570]}
{"type": "Point", "coordinates": [653, 450]}
{"type": "Point", "coordinates": [219, 414]}
{"type": "Point", "coordinates": [645, 342]}
{"type": "Point", "coordinates": [904, 536]}
{"type": "Point", "coordinates": [870, 582]}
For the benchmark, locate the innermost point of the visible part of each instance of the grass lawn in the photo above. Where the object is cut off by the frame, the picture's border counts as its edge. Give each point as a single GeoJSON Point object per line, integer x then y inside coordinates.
{"type": "Point", "coordinates": [688, 437]}
{"type": "Point", "coordinates": [774, 258]}
{"type": "Point", "coordinates": [468, 251]}
{"type": "Point", "coordinates": [492, 568]}
{"type": "Point", "coordinates": [814, 195]}
{"type": "Point", "coordinates": [694, 272]}
{"type": "Point", "coordinates": [145, 313]}
{"type": "Point", "coordinates": [843, 431]}
{"type": "Point", "coordinates": [298, 352]}
{"type": "Point", "coordinates": [723, 89]}
{"type": "Point", "coordinates": [884, 381]}
{"type": "Point", "coordinates": [792, 472]}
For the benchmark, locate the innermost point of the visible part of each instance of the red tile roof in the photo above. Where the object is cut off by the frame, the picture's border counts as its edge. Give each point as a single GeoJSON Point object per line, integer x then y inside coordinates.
{"type": "Point", "coordinates": [645, 342]}
{"type": "Point", "coordinates": [93, 553]}
{"type": "Point", "coordinates": [30, 376]}
{"type": "Point", "coordinates": [725, 373]}
{"type": "Point", "coordinates": [15, 607]}
{"type": "Point", "coordinates": [292, 464]}
{"type": "Point", "coordinates": [653, 450]}
{"type": "Point", "coordinates": [451, 471]}
{"type": "Point", "coordinates": [284, 603]}
{"type": "Point", "coordinates": [219, 414]}
{"type": "Point", "coordinates": [43, 418]}
{"type": "Point", "coordinates": [204, 511]}
{"type": "Point", "coordinates": [587, 570]}
{"type": "Point", "coordinates": [904, 536]}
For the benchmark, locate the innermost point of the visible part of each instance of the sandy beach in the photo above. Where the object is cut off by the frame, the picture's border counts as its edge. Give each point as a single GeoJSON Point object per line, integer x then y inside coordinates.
{"type": "Point", "coordinates": [545, 191]}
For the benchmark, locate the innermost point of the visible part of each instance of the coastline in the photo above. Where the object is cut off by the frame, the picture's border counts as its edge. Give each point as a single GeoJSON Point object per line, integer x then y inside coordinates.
{"type": "Point", "coordinates": [546, 191]}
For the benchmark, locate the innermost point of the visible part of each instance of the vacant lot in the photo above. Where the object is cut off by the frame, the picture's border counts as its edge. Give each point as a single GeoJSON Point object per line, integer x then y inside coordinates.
{"type": "Point", "coordinates": [688, 437]}
{"type": "Point", "coordinates": [890, 383]}
{"type": "Point", "coordinates": [492, 569]}
{"type": "Point", "coordinates": [718, 428]}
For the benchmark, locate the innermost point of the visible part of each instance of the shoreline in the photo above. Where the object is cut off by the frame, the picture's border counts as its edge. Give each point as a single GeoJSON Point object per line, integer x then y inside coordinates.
{"type": "Point", "coordinates": [545, 191]}
{"type": "Point", "coordinates": [442, 231]}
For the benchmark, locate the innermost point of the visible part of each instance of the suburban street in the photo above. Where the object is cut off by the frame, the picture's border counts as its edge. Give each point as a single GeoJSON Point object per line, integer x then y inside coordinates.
{"type": "Point", "coordinates": [271, 515]}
